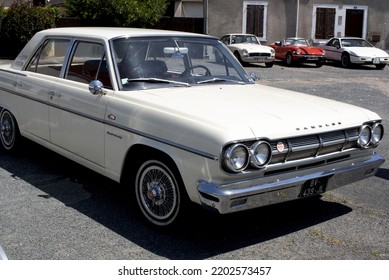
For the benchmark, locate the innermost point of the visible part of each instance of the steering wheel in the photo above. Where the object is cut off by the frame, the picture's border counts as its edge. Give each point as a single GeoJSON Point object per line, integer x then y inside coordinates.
{"type": "Point", "coordinates": [207, 71]}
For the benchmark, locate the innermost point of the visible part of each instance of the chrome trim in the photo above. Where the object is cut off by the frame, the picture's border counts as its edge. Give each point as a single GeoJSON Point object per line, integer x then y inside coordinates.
{"type": "Point", "coordinates": [227, 156]}
{"type": "Point", "coordinates": [258, 192]}
{"type": "Point", "coordinates": [113, 124]}
{"type": "Point", "coordinates": [372, 133]}
{"type": "Point", "coordinates": [313, 149]}
{"type": "Point", "coordinates": [14, 72]}
{"type": "Point", "coordinates": [164, 141]}
{"type": "Point", "coordinates": [253, 158]}
{"type": "Point", "coordinates": [364, 146]}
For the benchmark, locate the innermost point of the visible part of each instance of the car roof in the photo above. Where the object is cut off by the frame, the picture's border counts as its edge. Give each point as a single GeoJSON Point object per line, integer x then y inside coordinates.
{"type": "Point", "coordinates": [347, 38]}
{"type": "Point", "coordinates": [108, 33]}
{"type": "Point", "coordinates": [235, 34]}
{"type": "Point", "coordinates": [295, 38]}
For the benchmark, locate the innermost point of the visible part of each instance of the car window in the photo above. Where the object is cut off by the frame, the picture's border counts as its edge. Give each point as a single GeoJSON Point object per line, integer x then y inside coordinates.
{"type": "Point", "coordinates": [242, 39]}
{"type": "Point", "coordinates": [301, 42]}
{"type": "Point", "coordinates": [50, 57]}
{"type": "Point", "coordinates": [226, 40]}
{"type": "Point", "coordinates": [355, 43]}
{"type": "Point", "coordinates": [334, 43]}
{"type": "Point", "coordinates": [88, 63]}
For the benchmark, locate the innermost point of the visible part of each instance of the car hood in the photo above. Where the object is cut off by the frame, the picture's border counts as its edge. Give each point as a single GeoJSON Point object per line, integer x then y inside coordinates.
{"type": "Point", "coordinates": [223, 113]}
{"type": "Point", "coordinates": [367, 51]}
{"type": "Point", "coordinates": [251, 47]}
{"type": "Point", "coordinates": [311, 50]}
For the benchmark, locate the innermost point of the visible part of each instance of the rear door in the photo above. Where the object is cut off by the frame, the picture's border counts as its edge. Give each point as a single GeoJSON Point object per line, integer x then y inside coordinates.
{"type": "Point", "coordinates": [34, 86]}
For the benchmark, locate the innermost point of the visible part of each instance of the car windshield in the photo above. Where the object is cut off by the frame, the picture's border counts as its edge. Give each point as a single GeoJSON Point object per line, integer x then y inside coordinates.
{"type": "Point", "coordinates": [144, 63]}
{"type": "Point", "coordinates": [244, 39]}
{"type": "Point", "coordinates": [356, 43]}
{"type": "Point", "coordinates": [296, 42]}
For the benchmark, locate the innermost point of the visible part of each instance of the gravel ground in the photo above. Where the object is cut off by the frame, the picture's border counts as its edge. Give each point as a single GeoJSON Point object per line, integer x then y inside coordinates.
{"type": "Point", "coordinates": [51, 208]}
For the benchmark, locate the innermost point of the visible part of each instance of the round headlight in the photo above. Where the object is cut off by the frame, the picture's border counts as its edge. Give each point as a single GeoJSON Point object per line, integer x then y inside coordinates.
{"type": "Point", "coordinates": [364, 136]}
{"type": "Point", "coordinates": [236, 157]}
{"type": "Point", "coordinates": [245, 52]}
{"type": "Point", "coordinates": [377, 132]}
{"type": "Point", "coordinates": [260, 153]}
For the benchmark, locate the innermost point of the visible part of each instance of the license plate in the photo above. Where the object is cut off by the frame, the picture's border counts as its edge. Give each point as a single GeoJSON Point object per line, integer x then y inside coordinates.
{"type": "Point", "coordinates": [313, 187]}
{"type": "Point", "coordinates": [376, 60]}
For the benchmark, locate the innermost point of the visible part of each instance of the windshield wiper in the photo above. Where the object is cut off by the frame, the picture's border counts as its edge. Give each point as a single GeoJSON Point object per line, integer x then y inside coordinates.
{"type": "Point", "coordinates": [213, 80]}
{"type": "Point", "coordinates": [157, 80]}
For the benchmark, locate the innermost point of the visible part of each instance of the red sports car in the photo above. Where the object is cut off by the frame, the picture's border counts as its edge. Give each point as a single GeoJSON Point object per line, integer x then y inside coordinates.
{"type": "Point", "coordinates": [298, 50]}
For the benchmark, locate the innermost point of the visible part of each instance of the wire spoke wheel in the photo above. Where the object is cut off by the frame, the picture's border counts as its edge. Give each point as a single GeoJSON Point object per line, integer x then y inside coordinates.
{"type": "Point", "coordinates": [157, 193]}
{"type": "Point", "coordinates": [8, 130]}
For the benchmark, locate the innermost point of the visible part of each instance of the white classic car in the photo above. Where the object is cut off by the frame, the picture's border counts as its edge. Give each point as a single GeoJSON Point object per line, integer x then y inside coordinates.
{"type": "Point", "coordinates": [349, 50]}
{"type": "Point", "coordinates": [158, 112]}
{"type": "Point", "coordinates": [248, 49]}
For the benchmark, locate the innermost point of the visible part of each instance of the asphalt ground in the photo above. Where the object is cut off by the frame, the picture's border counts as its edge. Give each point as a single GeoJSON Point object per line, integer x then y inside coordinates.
{"type": "Point", "coordinates": [52, 208]}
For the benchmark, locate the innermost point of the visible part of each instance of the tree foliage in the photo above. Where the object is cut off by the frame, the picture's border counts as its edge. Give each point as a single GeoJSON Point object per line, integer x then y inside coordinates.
{"type": "Point", "coordinates": [123, 13]}
{"type": "Point", "coordinates": [21, 21]}
{"type": "Point", "coordinates": [2, 14]}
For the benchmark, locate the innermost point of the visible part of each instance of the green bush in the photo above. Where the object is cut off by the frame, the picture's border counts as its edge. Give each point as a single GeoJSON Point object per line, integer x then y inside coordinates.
{"type": "Point", "coordinates": [123, 13]}
{"type": "Point", "coordinates": [21, 21]}
{"type": "Point", "coordinates": [2, 15]}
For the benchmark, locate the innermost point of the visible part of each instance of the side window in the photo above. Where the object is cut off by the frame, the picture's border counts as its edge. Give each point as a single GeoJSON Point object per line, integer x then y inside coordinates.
{"type": "Point", "coordinates": [49, 58]}
{"type": "Point", "coordinates": [88, 63]}
{"type": "Point", "coordinates": [226, 40]}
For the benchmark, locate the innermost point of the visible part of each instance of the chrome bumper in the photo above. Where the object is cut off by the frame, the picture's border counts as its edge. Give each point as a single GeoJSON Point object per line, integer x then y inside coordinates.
{"type": "Point", "coordinates": [228, 198]}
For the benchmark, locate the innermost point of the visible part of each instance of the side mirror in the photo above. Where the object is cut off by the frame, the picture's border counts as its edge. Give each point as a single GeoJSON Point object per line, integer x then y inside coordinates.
{"type": "Point", "coordinates": [96, 87]}
{"type": "Point", "coordinates": [254, 77]}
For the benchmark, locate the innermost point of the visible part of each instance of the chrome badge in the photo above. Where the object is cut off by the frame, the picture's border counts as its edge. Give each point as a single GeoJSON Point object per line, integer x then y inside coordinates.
{"type": "Point", "coordinates": [280, 147]}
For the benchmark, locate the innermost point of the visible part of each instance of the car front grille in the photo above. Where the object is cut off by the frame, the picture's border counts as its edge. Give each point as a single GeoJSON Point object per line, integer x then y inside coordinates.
{"type": "Point", "coordinates": [309, 151]}
{"type": "Point", "coordinates": [313, 145]}
{"type": "Point", "coordinates": [259, 54]}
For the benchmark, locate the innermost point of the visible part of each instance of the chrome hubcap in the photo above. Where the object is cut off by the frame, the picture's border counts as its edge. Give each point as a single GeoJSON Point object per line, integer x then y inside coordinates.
{"type": "Point", "coordinates": [156, 193]}
{"type": "Point", "coordinates": [7, 132]}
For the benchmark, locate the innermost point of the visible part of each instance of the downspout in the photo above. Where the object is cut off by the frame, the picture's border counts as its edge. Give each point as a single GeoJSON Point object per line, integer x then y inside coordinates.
{"type": "Point", "coordinates": [297, 18]}
{"type": "Point", "coordinates": [205, 16]}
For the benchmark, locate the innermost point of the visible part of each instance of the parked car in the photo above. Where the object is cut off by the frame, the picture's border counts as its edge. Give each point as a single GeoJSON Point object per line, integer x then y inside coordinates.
{"type": "Point", "coordinates": [351, 51]}
{"type": "Point", "coordinates": [248, 49]}
{"type": "Point", "coordinates": [155, 111]}
{"type": "Point", "coordinates": [298, 50]}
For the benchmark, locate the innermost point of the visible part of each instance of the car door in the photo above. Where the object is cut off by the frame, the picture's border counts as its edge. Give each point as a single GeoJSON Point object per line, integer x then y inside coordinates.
{"type": "Point", "coordinates": [76, 115]}
{"type": "Point", "coordinates": [34, 86]}
{"type": "Point", "coordinates": [332, 49]}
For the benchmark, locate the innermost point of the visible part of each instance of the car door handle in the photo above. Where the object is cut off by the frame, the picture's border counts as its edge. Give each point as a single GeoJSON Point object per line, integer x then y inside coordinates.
{"type": "Point", "coordinates": [53, 93]}
{"type": "Point", "coordinates": [17, 84]}
{"type": "Point", "coordinates": [111, 117]}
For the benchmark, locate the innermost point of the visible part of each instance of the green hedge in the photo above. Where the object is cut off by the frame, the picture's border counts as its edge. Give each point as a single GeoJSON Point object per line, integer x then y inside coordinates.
{"type": "Point", "coordinates": [20, 22]}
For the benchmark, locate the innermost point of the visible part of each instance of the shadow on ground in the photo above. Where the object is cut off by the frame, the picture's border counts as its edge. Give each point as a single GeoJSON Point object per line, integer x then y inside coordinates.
{"type": "Point", "coordinates": [202, 235]}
